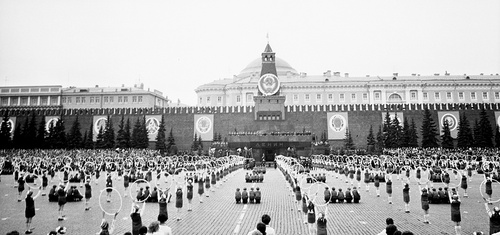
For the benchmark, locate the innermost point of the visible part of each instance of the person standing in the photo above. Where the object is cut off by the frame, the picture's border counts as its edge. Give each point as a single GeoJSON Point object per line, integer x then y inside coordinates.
{"type": "Point", "coordinates": [311, 217]}
{"type": "Point", "coordinates": [388, 190]}
{"type": "Point", "coordinates": [109, 185]}
{"type": "Point", "coordinates": [377, 184]}
{"type": "Point", "coordinates": [136, 216]}
{"type": "Point", "coordinates": [494, 217]}
{"type": "Point", "coordinates": [406, 197]}
{"type": "Point", "coordinates": [424, 197]}
{"type": "Point", "coordinates": [105, 228]}
{"type": "Point", "coordinates": [298, 196]}
{"type": "Point", "coordinates": [61, 200]}
{"type": "Point", "coordinates": [455, 213]}
{"type": "Point", "coordinates": [244, 196]}
{"type": "Point", "coordinates": [200, 187]}
{"type": "Point", "coordinates": [237, 196]}
{"type": "Point", "coordinates": [88, 194]}
{"type": "Point", "coordinates": [207, 185]}
{"type": "Point", "coordinates": [162, 203]}
{"type": "Point", "coordinates": [321, 223]}
{"type": "Point", "coordinates": [178, 202]}
{"type": "Point", "coordinates": [20, 187]}
{"type": "Point", "coordinates": [30, 208]}
{"type": "Point", "coordinates": [489, 189]}
{"type": "Point", "coordinates": [189, 194]}
{"type": "Point", "coordinates": [463, 185]}
{"type": "Point", "coordinates": [258, 196]}
{"type": "Point", "coordinates": [126, 182]}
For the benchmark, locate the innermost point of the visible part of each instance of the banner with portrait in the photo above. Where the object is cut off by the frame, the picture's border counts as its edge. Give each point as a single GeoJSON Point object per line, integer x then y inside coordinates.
{"type": "Point", "coordinates": [392, 115]}
{"type": "Point", "coordinates": [152, 126]}
{"type": "Point", "coordinates": [50, 121]}
{"type": "Point", "coordinates": [452, 117]}
{"type": "Point", "coordinates": [98, 122]}
{"type": "Point", "coordinates": [203, 126]}
{"type": "Point", "coordinates": [337, 123]}
{"type": "Point", "coordinates": [12, 121]}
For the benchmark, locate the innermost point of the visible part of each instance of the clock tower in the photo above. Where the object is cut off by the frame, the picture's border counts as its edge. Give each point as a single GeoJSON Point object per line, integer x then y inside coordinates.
{"type": "Point", "coordinates": [269, 104]}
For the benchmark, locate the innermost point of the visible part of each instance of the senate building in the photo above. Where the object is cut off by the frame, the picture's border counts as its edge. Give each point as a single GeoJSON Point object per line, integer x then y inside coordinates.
{"type": "Point", "coordinates": [269, 108]}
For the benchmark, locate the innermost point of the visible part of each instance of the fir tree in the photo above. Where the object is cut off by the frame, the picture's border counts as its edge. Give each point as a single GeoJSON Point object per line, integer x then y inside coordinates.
{"type": "Point", "coordinates": [380, 139]}
{"type": "Point", "coordinates": [89, 144]}
{"type": "Point", "coordinates": [200, 145]}
{"type": "Point", "coordinates": [477, 134]}
{"type": "Point", "coordinates": [25, 132]}
{"type": "Point", "coordinates": [387, 130]}
{"type": "Point", "coordinates": [429, 131]}
{"type": "Point", "coordinates": [41, 134]}
{"type": "Point", "coordinates": [5, 132]}
{"type": "Point", "coordinates": [446, 139]}
{"type": "Point", "coordinates": [17, 139]}
{"type": "Point", "coordinates": [194, 145]}
{"type": "Point", "coordinates": [171, 148]}
{"type": "Point", "coordinates": [51, 136]}
{"type": "Point", "coordinates": [75, 135]}
{"type": "Point", "coordinates": [464, 135]}
{"type": "Point", "coordinates": [127, 134]}
{"type": "Point", "coordinates": [405, 142]}
{"type": "Point", "coordinates": [348, 142]}
{"type": "Point", "coordinates": [30, 137]}
{"type": "Point", "coordinates": [396, 132]}
{"type": "Point", "coordinates": [60, 134]}
{"type": "Point", "coordinates": [121, 141]}
{"type": "Point", "coordinates": [100, 143]}
{"type": "Point", "coordinates": [144, 138]}
{"type": "Point", "coordinates": [135, 140]}
{"type": "Point", "coordinates": [160, 137]}
{"type": "Point", "coordinates": [84, 140]}
{"type": "Point", "coordinates": [370, 139]}
{"type": "Point", "coordinates": [485, 130]}
{"type": "Point", "coordinates": [109, 134]}
{"type": "Point", "coordinates": [497, 137]}
{"type": "Point", "coordinates": [413, 137]}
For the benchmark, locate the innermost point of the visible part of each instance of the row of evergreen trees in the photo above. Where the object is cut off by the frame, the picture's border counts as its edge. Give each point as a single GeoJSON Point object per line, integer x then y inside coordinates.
{"type": "Point", "coordinates": [392, 135]}
{"type": "Point", "coordinates": [35, 135]}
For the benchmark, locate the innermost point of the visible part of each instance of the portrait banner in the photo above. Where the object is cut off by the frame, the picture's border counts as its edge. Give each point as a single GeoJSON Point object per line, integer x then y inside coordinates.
{"type": "Point", "coordinates": [203, 126]}
{"type": "Point", "coordinates": [98, 122]}
{"type": "Point", "coordinates": [12, 121]}
{"type": "Point", "coordinates": [452, 117]}
{"type": "Point", "coordinates": [394, 114]}
{"type": "Point", "coordinates": [337, 123]}
{"type": "Point", "coordinates": [497, 118]}
{"type": "Point", "coordinates": [152, 126]}
{"type": "Point", "coordinates": [50, 121]}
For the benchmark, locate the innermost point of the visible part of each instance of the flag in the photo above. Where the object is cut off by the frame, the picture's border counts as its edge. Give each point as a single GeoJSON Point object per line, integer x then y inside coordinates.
{"type": "Point", "coordinates": [337, 124]}
{"type": "Point", "coordinates": [152, 126]}
{"type": "Point", "coordinates": [451, 117]}
{"type": "Point", "coordinates": [99, 121]}
{"type": "Point", "coordinates": [203, 126]}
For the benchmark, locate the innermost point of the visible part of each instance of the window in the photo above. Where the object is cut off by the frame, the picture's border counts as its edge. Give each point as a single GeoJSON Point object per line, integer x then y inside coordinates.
{"type": "Point", "coordinates": [5, 101]}
{"type": "Point", "coordinates": [365, 96]}
{"type": "Point", "coordinates": [83, 100]}
{"type": "Point", "coordinates": [295, 98]}
{"type": "Point", "coordinates": [97, 99]}
{"type": "Point", "coordinates": [448, 95]}
{"type": "Point", "coordinates": [105, 99]}
{"type": "Point", "coordinates": [307, 97]}
{"type": "Point", "coordinates": [69, 100]}
{"type": "Point", "coordinates": [219, 99]}
{"type": "Point", "coordinates": [91, 100]}
{"type": "Point", "coordinates": [125, 99]}
{"type": "Point", "coordinates": [318, 97]}
{"type": "Point", "coordinates": [377, 95]}
{"type": "Point", "coordinates": [473, 95]}
{"type": "Point", "coordinates": [77, 100]}
{"type": "Point", "coordinates": [460, 95]}
{"type": "Point", "coordinates": [120, 99]}
{"type": "Point", "coordinates": [238, 99]}
{"type": "Point", "coordinates": [208, 99]}
{"type": "Point", "coordinates": [353, 97]}
{"type": "Point", "coordinates": [426, 97]}
{"type": "Point", "coordinates": [14, 101]}
{"type": "Point", "coordinates": [33, 100]}
{"type": "Point", "coordinates": [24, 100]}
{"type": "Point", "coordinates": [64, 100]}
{"type": "Point", "coordinates": [413, 95]}
{"type": "Point", "coordinates": [485, 95]}
{"type": "Point", "coordinates": [330, 97]}
{"type": "Point", "coordinates": [139, 99]}
{"type": "Point", "coordinates": [111, 99]}
{"type": "Point", "coordinates": [134, 99]}
{"type": "Point", "coordinates": [249, 97]}
{"type": "Point", "coordinates": [342, 97]}
{"type": "Point", "coordinates": [497, 95]}
{"type": "Point", "coordinates": [201, 100]}
{"type": "Point", "coordinates": [53, 100]}
{"type": "Point", "coordinates": [436, 95]}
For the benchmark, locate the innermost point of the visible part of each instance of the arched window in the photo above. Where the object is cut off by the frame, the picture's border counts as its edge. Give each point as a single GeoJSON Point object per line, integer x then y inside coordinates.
{"type": "Point", "coordinates": [395, 98]}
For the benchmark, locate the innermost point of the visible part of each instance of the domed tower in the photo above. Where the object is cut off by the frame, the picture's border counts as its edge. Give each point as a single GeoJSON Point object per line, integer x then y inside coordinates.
{"type": "Point", "coordinates": [269, 104]}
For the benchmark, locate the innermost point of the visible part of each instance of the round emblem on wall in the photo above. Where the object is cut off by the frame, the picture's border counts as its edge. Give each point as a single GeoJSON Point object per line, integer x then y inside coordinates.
{"type": "Point", "coordinates": [101, 122]}
{"type": "Point", "coordinates": [269, 84]}
{"type": "Point", "coordinates": [452, 121]}
{"type": "Point", "coordinates": [11, 125]}
{"type": "Point", "coordinates": [52, 122]}
{"type": "Point", "coordinates": [337, 123]}
{"type": "Point", "coordinates": [152, 125]}
{"type": "Point", "coordinates": [203, 124]}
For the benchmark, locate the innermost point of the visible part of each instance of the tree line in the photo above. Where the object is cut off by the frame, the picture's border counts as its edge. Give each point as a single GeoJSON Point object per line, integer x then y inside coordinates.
{"type": "Point", "coordinates": [32, 135]}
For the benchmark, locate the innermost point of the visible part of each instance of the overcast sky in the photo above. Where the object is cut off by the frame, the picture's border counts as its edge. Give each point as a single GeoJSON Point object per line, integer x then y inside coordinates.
{"type": "Point", "coordinates": [176, 46]}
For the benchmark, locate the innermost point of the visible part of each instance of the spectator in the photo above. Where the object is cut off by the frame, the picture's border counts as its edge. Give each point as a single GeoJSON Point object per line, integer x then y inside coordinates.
{"type": "Point", "coordinates": [388, 221]}
{"type": "Point", "coordinates": [260, 230]}
{"type": "Point", "coordinates": [154, 227]}
{"type": "Point", "coordinates": [143, 230]}
{"type": "Point", "coordinates": [494, 217]}
{"type": "Point", "coordinates": [164, 229]}
{"type": "Point", "coordinates": [266, 219]}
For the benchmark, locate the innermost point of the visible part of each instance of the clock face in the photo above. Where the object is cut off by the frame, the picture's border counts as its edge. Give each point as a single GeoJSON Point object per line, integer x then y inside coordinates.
{"type": "Point", "coordinates": [269, 84]}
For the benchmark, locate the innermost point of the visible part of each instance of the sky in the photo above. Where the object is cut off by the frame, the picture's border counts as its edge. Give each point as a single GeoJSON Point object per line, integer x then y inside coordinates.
{"type": "Point", "coordinates": [176, 46]}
